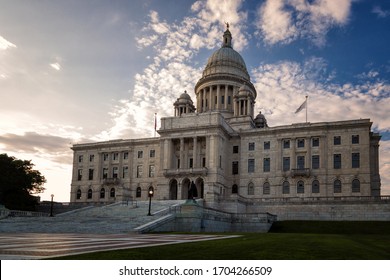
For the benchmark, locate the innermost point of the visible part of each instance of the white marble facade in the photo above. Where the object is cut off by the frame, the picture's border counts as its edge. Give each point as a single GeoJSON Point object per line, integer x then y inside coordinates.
{"type": "Point", "coordinates": [218, 143]}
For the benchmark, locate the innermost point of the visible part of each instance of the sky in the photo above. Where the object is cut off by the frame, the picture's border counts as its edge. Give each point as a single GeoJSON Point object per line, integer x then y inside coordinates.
{"type": "Point", "coordinates": [84, 71]}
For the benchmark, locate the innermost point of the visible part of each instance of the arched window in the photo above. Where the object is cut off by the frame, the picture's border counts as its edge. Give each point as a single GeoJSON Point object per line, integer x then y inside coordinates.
{"type": "Point", "coordinates": [78, 194]}
{"type": "Point", "coordinates": [90, 194]}
{"type": "Point", "coordinates": [266, 188]}
{"type": "Point", "coordinates": [286, 187]}
{"type": "Point", "coordinates": [112, 192]}
{"type": "Point", "coordinates": [234, 188]}
{"type": "Point", "coordinates": [251, 189]}
{"type": "Point", "coordinates": [315, 186]}
{"type": "Point", "coordinates": [355, 186]}
{"type": "Point", "coordinates": [337, 186]}
{"type": "Point", "coordinates": [300, 187]}
{"type": "Point", "coordinates": [139, 192]}
{"type": "Point", "coordinates": [102, 193]}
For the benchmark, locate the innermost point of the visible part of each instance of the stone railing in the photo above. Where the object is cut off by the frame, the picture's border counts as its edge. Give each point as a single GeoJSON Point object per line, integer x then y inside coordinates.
{"type": "Point", "coordinates": [17, 213]}
{"type": "Point", "coordinates": [305, 172]}
{"type": "Point", "coordinates": [319, 199]}
{"type": "Point", "coordinates": [185, 171]}
{"type": "Point", "coordinates": [111, 181]}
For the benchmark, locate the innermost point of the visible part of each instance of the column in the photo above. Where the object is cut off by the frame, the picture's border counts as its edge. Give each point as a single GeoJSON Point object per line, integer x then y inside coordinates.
{"type": "Point", "coordinates": [226, 96]}
{"type": "Point", "coordinates": [211, 96]}
{"type": "Point", "coordinates": [293, 154]}
{"type": "Point", "coordinates": [204, 100]}
{"type": "Point", "coordinates": [218, 98]}
{"type": "Point", "coordinates": [181, 152]}
{"type": "Point", "coordinates": [194, 155]}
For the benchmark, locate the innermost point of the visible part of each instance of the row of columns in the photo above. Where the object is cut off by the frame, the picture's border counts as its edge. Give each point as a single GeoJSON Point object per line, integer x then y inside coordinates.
{"type": "Point", "coordinates": [206, 98]}
{"type": "Point", "coordinates": [169, 154]}
{"type": "Point", "coordinates": [243, 107]}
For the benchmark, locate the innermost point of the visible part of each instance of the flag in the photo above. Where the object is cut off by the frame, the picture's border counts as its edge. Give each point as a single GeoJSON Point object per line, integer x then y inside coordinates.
{"type": "Point", "coordinates": [303, 106]}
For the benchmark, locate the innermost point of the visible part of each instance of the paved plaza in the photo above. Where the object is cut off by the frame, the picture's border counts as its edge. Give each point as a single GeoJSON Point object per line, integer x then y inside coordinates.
{"type": "Point", "coordinates": [25, 246]}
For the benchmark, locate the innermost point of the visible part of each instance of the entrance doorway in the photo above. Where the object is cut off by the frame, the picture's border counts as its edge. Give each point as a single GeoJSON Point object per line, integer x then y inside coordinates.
{"type": "Point", "coordinates": [173, 189]}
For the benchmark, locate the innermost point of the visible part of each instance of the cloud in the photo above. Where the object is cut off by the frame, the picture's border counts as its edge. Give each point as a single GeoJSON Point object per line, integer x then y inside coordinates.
{"type": "Point", "coordinates": [4, 44]}
{"type": "Point", "coordinates": [380, 12]}
{"type": "Point", "coordinates": [283, 21]}
{"type": "Point", "coordinates": [56, 66]}
{"type": "Point", "coordinates": [285, 84]}
{"type": "Point", "coordinates": [48, 146]}
{"type": "Point", "coordinates": [171, 70]}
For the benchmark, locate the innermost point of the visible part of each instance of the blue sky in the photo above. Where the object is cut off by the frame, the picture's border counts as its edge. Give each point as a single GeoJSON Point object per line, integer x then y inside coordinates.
{"type": "Point", "coordinates": [81, 71]}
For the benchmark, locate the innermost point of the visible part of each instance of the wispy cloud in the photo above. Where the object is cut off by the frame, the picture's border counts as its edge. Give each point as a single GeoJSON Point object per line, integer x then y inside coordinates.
{"type": "Point", "coordinates": [380, 12]}
{"type": "Point", "coordinates": [172, 68]}
{"type": "Point", "coordinates": [283, 21]}
{"type": "Point", "coordinates": [4, 44]}
{"type": "Point", "coordinates": [56, 66]}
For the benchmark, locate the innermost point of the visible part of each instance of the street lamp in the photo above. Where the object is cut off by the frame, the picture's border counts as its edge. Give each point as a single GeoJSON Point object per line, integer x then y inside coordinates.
{"type": "Point", "coordinates": [150, 200]}
{"type": "Point", "coordinates": [51, 205]}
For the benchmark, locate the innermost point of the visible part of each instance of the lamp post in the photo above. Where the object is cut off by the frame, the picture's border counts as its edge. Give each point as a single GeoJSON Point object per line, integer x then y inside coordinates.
{"type": "Point", "coordinates": [150, 200]}
{"type": "Point", "coordinates": [51, 205]}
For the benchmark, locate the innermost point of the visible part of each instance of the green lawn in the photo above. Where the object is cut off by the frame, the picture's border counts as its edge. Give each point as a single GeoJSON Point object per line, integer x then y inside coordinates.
{"type": "Point", "coordinates": [286, 240]}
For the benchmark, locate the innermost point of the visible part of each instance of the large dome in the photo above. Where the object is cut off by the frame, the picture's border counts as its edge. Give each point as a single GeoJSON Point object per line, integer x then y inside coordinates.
{"type": "Point", "coordinates": [226, 61]}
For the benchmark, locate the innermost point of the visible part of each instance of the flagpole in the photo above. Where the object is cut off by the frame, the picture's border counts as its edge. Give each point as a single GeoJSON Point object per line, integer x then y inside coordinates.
{"type": "Point", "coordinates": [155, 124]}
{"type": "Point", "coordinates": [306, 108]}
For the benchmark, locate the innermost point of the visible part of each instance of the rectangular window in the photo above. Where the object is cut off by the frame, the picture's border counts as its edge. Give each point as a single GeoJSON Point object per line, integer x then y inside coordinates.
{"type": "Point", "coordinates": [125, 172]}
{"type": "Point", "coordinates": [355, 139]}
{"type": "Point", "coordinates": [337, 140]}
{"type": "Point", "coordinates": [301, 162]}
{"type": "Point", "coordinates": [105, 173]}
{"type": "Point", "coordinates": [204, 162]}
{"type": "Point", "coordinates": [105, 157]}
{"type": "Point", "coordinates": [266, 165]}
{"type": "Point", "coordinates": [235, 167]}
{"type": "Point", "coordinates": [151, 171]}
{"type": "Point", "coordinates": [251, 146]}
{"type": "Point", "coordinates": [126, 155]}
{"type": "Point", "coordinates": [222, 99]}
{"type": "Point", "coordinates": [267, 145]}
{"type": "Point", "coordinates": [191, 162]}
{"type": "Point", "coordinates": [229, 100]}
{"type": "Point", "coordinates": [355, 160]}
{"type": "Point", "coordinates": [81, 158]}
{"type": "Point", "coordinates": [139, 171]}
{"type": "Point", "coordinates": [235, 149]}
{"type": "Point", "coordinates": [315, 162]}
{"type": "Point", "coordinates": [286, 163]}
{"type": "Point", "coordinates": [90, 174]}
{"type": "Point", "coordinates": [337, 161]}
{"type": "Point", "coordinates": [315, 142]}
{"type": "Point", "coordinates": [178, 163]}
{"type": "Point", "coordinates": [91, 158]}
{"type": "Point", "coordinates": [301, 143]}
{"type": "Point", "coordinates": [79, 174]}
{"type": "Point", "coordinates": [115, 156]}
{"type": "Point", "coordinates": [152, 153]}
{"type": "Point", "coordinates": [286, 144]}
{"type": "Point", "coordinates": [251, 165]}
{"type": "Point", "coordinates": [140, 154]}
{"type": "Point", "coordinates": [115, 172]}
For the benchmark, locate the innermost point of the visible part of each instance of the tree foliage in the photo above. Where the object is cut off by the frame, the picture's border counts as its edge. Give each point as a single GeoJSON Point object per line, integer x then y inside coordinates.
{"type": "Point", "coordinates": [18, 181]}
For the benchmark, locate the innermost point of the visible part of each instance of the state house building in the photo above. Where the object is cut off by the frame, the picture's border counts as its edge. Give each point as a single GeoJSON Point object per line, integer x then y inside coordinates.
{"type": "Point", "coordinates": [228, 150]}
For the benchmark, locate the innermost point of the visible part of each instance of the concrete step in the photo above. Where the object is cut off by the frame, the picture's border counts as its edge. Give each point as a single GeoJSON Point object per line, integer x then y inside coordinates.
{"type": "Point", "coordinates": [117, 218]}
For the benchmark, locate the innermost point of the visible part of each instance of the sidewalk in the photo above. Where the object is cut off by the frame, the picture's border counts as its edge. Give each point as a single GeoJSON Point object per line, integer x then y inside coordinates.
{"type": "Point", "coordinates": [26, 246]}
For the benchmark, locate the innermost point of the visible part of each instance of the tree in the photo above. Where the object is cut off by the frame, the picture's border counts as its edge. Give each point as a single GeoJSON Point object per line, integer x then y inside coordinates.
{"type": "Point", "coordinates": [18, 181]}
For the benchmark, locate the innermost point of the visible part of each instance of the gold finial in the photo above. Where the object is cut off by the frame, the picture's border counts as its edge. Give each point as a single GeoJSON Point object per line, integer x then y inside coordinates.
{"type": "Point", "coordinates": [227, 25]}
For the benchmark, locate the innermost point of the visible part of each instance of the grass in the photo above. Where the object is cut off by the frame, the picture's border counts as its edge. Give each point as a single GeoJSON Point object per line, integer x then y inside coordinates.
{"type": "Point", "coordinates": [286, 241]}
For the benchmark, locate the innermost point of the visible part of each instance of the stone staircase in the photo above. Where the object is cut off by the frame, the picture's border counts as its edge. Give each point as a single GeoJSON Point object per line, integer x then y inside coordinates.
{"type": "Point", "coordinates": [114, 218]}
